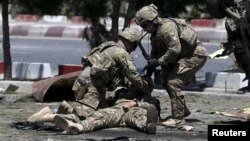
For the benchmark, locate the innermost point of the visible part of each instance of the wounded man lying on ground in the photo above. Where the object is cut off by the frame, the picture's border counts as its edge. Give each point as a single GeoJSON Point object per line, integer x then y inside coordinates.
{"type": "Point", "coordinates": [135, 114]}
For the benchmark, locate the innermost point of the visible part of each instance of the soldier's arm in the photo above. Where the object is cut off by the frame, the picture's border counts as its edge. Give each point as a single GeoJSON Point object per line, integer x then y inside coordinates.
{"type": "Point", "coordinates": [153, 53]}
{"type": "Point", "coordinates": [130, 71]}
{"type": "Point", "coordinates": [169, 37]}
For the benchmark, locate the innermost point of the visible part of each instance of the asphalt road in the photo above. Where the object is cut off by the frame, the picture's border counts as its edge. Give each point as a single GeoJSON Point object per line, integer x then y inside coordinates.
{"type": "Point", "coordinates": [69, 51]}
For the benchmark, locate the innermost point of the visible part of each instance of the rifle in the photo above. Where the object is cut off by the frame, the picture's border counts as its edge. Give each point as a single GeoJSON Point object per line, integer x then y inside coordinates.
{"type": "Point", "coordinates": [144, 53]}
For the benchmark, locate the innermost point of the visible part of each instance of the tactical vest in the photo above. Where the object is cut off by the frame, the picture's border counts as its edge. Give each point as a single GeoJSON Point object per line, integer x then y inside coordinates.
{"type": "Point", "coordinates": [103, 71]}
{"type": "Point", "coordinates": [186, 34]}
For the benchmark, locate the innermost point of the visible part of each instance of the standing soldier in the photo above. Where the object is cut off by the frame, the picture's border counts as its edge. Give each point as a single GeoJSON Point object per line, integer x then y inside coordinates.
{"type": "Point", "coordinates": [180, 54]}
{"type": "Point", "coordinates": [237, 28]}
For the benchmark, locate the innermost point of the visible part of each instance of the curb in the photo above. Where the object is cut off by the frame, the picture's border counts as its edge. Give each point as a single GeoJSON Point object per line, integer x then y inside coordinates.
{"type": "Point", "coordinates": [46, 30]}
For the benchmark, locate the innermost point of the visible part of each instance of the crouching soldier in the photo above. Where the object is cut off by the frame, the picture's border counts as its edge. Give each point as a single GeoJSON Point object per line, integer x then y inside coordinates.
{"type": "Point", "coordinates": [105, 68]}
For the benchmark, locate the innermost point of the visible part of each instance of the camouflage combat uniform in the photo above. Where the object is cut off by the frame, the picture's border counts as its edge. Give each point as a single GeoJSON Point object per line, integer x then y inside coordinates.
{"type": "Point", "coordinates": [178, 60]}
{"type": "Point", "coordinates": [108, 66]}
{"type": "Point", "coordinates": [116, 116]}
{"type": "Point", "coordinates": [176, 49]}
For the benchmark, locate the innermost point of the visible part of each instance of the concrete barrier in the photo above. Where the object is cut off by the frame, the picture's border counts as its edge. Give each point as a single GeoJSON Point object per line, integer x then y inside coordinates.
{"type": "Point", "coordinates": [73, 32]}
{"type": "Point", "coordinates": [203, 22]}
{"type": "Point", "coordinates": [211, 34]}
{"type": "Point", "coordinates": [20, 30]}
{"type": "Point", "coordinates": [30, 71]}
{"type": "Point", "coordinates": [37, 30]}
{"type": "Point", "coordinates": [68, 68]}
{"type": "Point", "coordinates": [225, 80]}
{"type": "Point", "coordinates": [54, 28]}
{"type": "Point", "coordinates": [55, 31]}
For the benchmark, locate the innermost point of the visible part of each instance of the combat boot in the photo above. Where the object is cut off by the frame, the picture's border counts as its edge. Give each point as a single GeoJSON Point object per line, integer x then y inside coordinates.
{"type": "Point", "coordinates": [67, 125]}
{"type": "Point", "coordinates": [44, 115]}
{"type": "Point", "coordinates": [174, 123]}
{"type": "Point", "coordinates": [82, 111]}
{"type": "Point", "coordinates": [186, 111]}
{"type": "Point", "coordinates": [152, 117]}
{"type": "Point", "coordinates": [65, 108]}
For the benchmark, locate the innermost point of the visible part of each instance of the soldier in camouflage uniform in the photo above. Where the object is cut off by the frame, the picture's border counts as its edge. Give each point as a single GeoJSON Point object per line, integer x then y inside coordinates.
{"type": "Point", "coordinates": [127, 111]}
{"type": "Point", "coordinates": [180, 54]}
{"type": "Point", "coordinates": [105, 68]}
{"type": "Point", "coordinates": [235, 41]}
{"type": "Point", "coordinates": [96, 35]}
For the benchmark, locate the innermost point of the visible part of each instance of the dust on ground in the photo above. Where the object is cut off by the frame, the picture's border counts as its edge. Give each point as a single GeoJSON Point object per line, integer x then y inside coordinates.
{"type": "Point", "coordinates": [202, 105]}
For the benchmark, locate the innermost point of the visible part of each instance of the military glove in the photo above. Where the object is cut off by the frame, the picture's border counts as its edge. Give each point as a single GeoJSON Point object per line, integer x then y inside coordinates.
{"type": "Point", "coordinates": [150, 82]}
{"type": "Point", "coordinates": [152, 64]}
{"type": "Point", "coordinates": [149, 72]}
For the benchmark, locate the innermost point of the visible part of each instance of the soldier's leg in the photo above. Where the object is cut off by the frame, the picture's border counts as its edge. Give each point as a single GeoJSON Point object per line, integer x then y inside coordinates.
{"type": "Point", "coordinates": [103, 118]}
{"type": "Point", "coordinates": [174, 89]}
{"type": "Point", "coordinates": [65, 108]}
{"type": "Point", "coordinates": [174, 85]}
{"type": "Point", "coordinates": [241, 56]}
{"type": "Point", "coordinates": [143, 119]}
{"type": "Point", "coordinates": [47, 115]}
{"type": "Point", "coordinates": [93, 98]}
{"type": "Point", "coordinates": [136, 118]}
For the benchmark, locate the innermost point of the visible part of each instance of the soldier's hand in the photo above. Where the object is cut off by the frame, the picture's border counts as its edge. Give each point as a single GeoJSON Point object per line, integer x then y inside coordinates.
{"type": "Point", "coordinates": [126, 106]}
{"type": "Point", "coordinates": [149, 72]}
{"type": "Point", "coordinates": [152, 64]}
{"type": "Point", "coordinates": [150, 82]}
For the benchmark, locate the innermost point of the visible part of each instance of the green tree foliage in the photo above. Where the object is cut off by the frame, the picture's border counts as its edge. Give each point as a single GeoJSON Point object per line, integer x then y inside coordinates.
{"type": "Point", "coordinates": [186, 9]}
{"type": "Point", "coordinates": [86, 8]}
{"type": "Point", "coordinates": [38, 7]}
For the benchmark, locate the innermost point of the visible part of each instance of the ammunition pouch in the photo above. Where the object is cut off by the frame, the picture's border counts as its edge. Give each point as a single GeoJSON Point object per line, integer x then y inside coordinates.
{"type": "Point", "coordinates": [80, 87]}
{"type": "Point", "coordinates": [98, 76]}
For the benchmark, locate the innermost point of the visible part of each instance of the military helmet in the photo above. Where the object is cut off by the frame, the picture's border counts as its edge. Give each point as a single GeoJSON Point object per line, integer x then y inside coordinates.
{"type": "Point", "coordinates": [131, 34]}
{"type": "Point", "coordinates": [146, 13]}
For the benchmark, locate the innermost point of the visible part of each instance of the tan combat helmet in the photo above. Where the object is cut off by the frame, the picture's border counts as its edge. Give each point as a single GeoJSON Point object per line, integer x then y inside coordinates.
{"type": "Point", "coordinates": [146, 13]}
{"type": "Point", "coordinates": [130, 34]}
